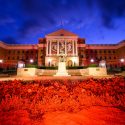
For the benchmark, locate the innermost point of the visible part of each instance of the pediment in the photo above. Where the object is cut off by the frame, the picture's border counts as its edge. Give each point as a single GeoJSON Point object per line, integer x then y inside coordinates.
{"type": "Point", "coordinates": [62, 32]}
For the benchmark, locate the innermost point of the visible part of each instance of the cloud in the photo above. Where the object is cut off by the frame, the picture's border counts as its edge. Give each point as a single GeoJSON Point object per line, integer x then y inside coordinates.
{"type": "Point", "coordinates": [111, 9]}
{"type": "Point", "coordinates": [6, 20]}
{"type": "Point", "coordinates": [25, 18]}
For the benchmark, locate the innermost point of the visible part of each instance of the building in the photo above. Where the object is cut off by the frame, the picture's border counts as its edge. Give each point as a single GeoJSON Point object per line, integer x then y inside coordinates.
{"type": "Point", "coordinates": [62, 43]}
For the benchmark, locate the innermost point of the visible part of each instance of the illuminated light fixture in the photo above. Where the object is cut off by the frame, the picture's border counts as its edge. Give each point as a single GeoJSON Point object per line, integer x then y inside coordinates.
{"type": "Point", "coordinates": [102, 63]}
{"type": "Point", "coordinates": [74, 60]}
{"type": "Point", "coordinates": [20, 65]}
{"type": "Point", "coordinates": [122, 60]}
{"type": "Point", "coordinates": [49, 60]}
{"type": "Point", "coordinates": [92, 60]}
{"type": "Point", "coordinates": [1, 61]}
{"type": "Point", "coordinates": [31, 60]}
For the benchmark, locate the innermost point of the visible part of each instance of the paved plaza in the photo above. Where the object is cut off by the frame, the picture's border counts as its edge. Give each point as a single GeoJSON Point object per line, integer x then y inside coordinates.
{"type": "Point", "coordinates": [52, 77]}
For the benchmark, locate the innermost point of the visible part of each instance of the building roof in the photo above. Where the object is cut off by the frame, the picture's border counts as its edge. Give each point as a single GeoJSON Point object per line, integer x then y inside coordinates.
{"type": "Point", "coordinates": [62, 32]}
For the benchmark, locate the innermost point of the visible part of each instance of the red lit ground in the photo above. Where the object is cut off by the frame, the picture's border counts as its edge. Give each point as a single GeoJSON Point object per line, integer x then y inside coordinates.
{"type": "Point", "coordinates": [96, 115]}
{"type": "Point", "coordinates": [51, 77]}
{"type": "Point", "coordinates": [92, 116]}
{"type": "Point", "coordinates": [63, 102]}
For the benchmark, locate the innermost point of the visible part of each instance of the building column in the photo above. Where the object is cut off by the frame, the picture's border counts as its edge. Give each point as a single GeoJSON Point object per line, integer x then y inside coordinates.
{"type": "Point", "coordinates": [58, 47]}
{"type": "Point", "coordinates": [47, 48]}
{"type": "Point", "coordinates": [65, 48]}
{"type": "Point", "coordinates": [73, 47]}
{"type": "Point", "coordinates": [76, 48]}
{"type": "Point", "coordinates": [50, 48]}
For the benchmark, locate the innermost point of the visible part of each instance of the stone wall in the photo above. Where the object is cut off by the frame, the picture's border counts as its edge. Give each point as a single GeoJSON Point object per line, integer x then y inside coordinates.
{"type": "Point", "coordinates": [26, 71]}
{"type": "Point", "coordinates": [93, 71]}
{"type": "Point", "coordinates": [97, 71]}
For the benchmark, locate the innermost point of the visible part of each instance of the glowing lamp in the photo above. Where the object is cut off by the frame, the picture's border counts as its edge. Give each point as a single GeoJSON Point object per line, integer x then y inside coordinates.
{"type": "Point", "coordinates": [21, 64]}
{"type": "Point", "coordinates": [122, 60]}
{"type": "Point", "coordinates": [102, 63]}
{"type": "Point", "coordinates": [74, 60]}
{"type": "Point", "coordinates": [1, 61]}
{"type": "Point", "coordinates": [49, 60]}
{"type": "Point", "coordinates": [31, 60]}
{"type": "Point", "coordinates": [92, 60]}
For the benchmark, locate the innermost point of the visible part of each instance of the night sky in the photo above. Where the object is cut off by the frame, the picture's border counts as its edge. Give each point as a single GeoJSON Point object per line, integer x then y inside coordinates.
{"type": "Point", "coordinates": [98, 21]}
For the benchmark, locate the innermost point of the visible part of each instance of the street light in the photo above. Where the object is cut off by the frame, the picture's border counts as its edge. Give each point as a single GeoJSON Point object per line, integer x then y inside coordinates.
{"type": "Point", "coordinates": [31, 60]}
{"type": "Point", "coordinates": [49, 61]}
{"type": "Point", "coordinates": [21, 64]}
{"type": "Point", "coordinates": [92, 60]}
{"type": "Point", "coordinates": [122, 60]}
{"type": "Point", "coordinates": [102, 63]}
{"type": "Point", "coordinates": [74, 60]}
{"type": "Point", "coordinates": [1, 61]}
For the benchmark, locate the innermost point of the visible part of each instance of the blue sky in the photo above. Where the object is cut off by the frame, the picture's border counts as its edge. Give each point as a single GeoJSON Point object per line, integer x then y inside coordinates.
{"type": "Point", "coordinates": [98, 21]}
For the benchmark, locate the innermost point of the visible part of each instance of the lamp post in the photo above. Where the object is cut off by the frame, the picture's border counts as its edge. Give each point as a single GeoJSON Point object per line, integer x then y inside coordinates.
{"type": "Point", "coordinates": [49, 61]}
{"type": "Point", "coordinates": [122, 60]}
{"type": "Point", "coordinates": [92, 60]}
{"type": "Point", "coordinates": [1, 63]}
{"type": "Point", "coordinates": [74, 60]}
{"type": "Point", "coordinates": [31, 61]}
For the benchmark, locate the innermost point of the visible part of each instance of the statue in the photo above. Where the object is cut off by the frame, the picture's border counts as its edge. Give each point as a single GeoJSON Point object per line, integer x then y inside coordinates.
{"type": "Point", "coordinates": [62, 59]}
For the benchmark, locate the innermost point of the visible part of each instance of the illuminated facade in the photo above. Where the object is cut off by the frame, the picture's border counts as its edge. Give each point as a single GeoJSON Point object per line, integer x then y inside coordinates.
{"type": "Point", "coordinates": [62, 43]}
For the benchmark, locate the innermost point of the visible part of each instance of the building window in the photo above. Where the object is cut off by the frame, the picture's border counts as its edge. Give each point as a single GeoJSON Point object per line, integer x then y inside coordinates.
{"type": "Point", "coordinates": [110, 57]}
{"type": "Point", "coordinates": [81, 56]}
{"type": "Point", "coordinates": [27, 51]}
{"type": "Point", "coordinates": [109, 51]}
{"type": "Point", "coordinates": [86, 51]}
{"type": "Point", "coordinates": [96, 58]}
{"type": "Point", "coordinates": [100, 57]}
{"type": "Point", "coordinates": [95, 51]}
{"type": "Point", "coordinates": [87, 57]}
